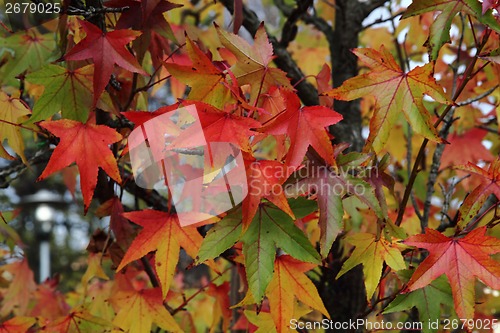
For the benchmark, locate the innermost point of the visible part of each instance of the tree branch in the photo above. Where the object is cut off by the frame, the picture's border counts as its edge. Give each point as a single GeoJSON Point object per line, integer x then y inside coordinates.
{"type": "Point", "coordinates": [306, 91]}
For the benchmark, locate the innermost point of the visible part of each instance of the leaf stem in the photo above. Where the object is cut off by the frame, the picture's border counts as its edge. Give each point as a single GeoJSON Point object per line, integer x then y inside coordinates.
{"type": "Point", "coordinates": [24, 127]}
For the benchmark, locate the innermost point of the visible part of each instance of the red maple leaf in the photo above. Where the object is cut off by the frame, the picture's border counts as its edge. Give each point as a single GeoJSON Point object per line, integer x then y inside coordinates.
{"type": "Point", "coordinates": [142, 14]}
{"type": "Point", "coordinates": [305, 127]}
{"type": "Point", "coordinates": [490, 180]}
{"type": "Point", "coordinates": [466, 147]}
{"type": "Point", "coordinates": [490, 4]}
{"type": "Point", "coordinates": [264, 181]}
{"type": "Point", "coordinates": [106, 49]}
{"type": "Point", "coordinates": [87, 145]}
{"type": "Point", "coordinates": [218, 126]}
{"type": "Point", "coordinates": [460, 259]}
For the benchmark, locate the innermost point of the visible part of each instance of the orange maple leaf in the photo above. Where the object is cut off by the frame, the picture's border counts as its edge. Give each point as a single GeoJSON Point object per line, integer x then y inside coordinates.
{"type": "Point", "coordinates": [460, 259]}
{"type": "Point", "coordinates": [19, 293]}
{"type": "Point", "coordinates": [13, 111]}
{"type": "Point", "coordinates": [206, 80]}
{"type": "Point", "coordinates": [396, 92]}
{"type": "Point", "coordinates": [139, 309]}
{"type": "Point", "coordinates": [264, 181]}
{"type": "Point", "coordinates": [161, 232]}
{"type": "Point", "coordinates": [289, 275]}
{"type": "Point", "coordinates": [252, 66]}
{"type": "Point", "coordinates": [17, 324]}
{"type": "Point", "coordinates": [87, 145]}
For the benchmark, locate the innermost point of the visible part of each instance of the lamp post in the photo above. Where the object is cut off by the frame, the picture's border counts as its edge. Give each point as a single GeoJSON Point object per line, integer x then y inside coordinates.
{"type": "Point", "coordinates": [44, 215]}
{"type": "Point", "coordinates": [43, 205]}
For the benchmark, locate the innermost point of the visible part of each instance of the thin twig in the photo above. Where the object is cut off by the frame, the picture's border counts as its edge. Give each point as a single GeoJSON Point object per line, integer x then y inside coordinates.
{"type": "Point", "coordinates": [381, 20]}
{"type": "Point", "coordinates": [478, 97]}
{"type": "Point", "coordinates": [466, 78]}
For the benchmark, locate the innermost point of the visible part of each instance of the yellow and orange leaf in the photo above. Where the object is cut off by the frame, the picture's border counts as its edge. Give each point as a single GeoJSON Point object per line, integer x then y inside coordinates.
{"type": "Point", "coordinates": [161, 232]}
{"type": "Point", "coordinates": [396, 92]}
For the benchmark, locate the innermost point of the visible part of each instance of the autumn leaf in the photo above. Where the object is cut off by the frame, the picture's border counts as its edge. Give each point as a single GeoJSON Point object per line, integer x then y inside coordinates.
{"type": "Point", "coordinates": [24, 51]}
{"type": "Point", "coordinates": [161, 232]}
{"type": "Point", "coordinates": [372, 253]}
{"type": "Point", "coordinates": [8, 234]}
{"type": "Point", "coordinates": [142, 14]}
{"type": "Point", "coordinates": [323, 81]}
{"type": "Point", "coordinates": [17, 325]}
{"type": "Point", "coordinates": [222, 306]}
{"type": "Point", "coordinates": [396, 92]}
{"type": "Point", "coordinates": [140, 117]}
{"type": "Point", "coordinates": [490, 180]}
{"type": "Point", "coordinates": [427, 300]}
{"type": "Point", "coordinates": [262, 320]}
{"type": "Point", "coordinates": [218, 126]}
{"type": "Point", "coordinates": [49, 303]}
{"type": "Point", "coordinates": [94, 269]}
{"type": "Point", "coordinates": [330, 188]}
{"type": "Point", "coordinates": [147, 16]}
{"type": "Point", "coordinates": [121, 227]}
{"type": "Point", "coordinates": [440, 29]}
{"type": "Point", "coordinates": [489, 4]}
{"type": "Point", "coordinates": [460, 259]}
{"type": "Point", "coordinates": [140, 309]}
{"type": "Point", "coordinates": [207, 81]}
{"type": "Point", "coordinates": [305, 127]}
{"type": "Point", "coordinates": [105, 49]}
{"type": "Point", "coordinates": [466, 147]}
{"type": "Point", "coordinates": [88, 146]}
{"type": "Point", "coordinates": [221, 237]}
{"type": "Point", "coordinates": [289, 275]}
{"type": "Point", "coordinates": [269, 229]}
{"type": "Point", "coordinates": [66, 91]}
{"type": "Point", "coordinates": [252, 66]}
{"type": "Point", "coordinates": [264, 179]}
{"type": "Point", "coordinates": [13, 112]}
{"type": "Point", "coordinates": [20, 291]}
{"type": "Point", "coordinates": [79, 320]}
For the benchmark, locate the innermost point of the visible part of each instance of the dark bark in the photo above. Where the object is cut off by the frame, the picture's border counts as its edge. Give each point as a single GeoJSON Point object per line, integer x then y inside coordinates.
{"type": "Point", "coordinates": [346, 298]}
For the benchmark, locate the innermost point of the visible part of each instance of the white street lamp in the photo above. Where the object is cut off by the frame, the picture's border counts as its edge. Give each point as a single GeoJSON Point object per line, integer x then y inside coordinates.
{"type": "Point", "coordinates": [44, 203]}
{"type": "Point", "coordinates": [44, 214]}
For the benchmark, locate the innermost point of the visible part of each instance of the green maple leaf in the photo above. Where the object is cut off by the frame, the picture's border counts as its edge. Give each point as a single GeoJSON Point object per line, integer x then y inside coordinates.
{"type": "Point", "coordinates": [427, 300]}
{"type": "Point", "coordinates": [440, 29]}
{"type": "Point", "coordinates": [24, 50]}
{"type": "Point", "coordinates": [269, 229]}
{"type": "Point", "coordinates": [67, 91]}
{"type": "Point", "coordinates": [223, 235]}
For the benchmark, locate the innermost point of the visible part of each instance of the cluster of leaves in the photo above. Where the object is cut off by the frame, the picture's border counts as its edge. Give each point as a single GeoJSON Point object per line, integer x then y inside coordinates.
{"type": "Point", "coordinates": [305, 193]}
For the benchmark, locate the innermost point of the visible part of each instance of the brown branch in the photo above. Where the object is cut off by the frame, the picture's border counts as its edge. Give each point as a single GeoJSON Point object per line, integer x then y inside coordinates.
{"type": "Point", "coordinates": [306, 91]}
{"type": "Point", "coordinates": [151, 197]}
{"type": "Point", "coordinates": [467, 76]}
